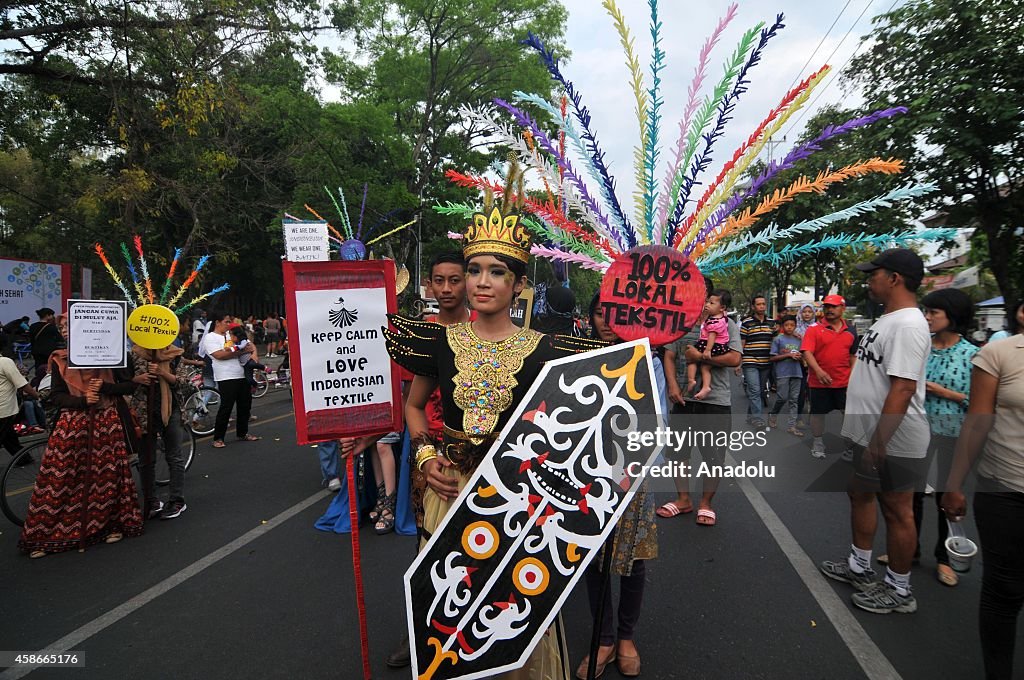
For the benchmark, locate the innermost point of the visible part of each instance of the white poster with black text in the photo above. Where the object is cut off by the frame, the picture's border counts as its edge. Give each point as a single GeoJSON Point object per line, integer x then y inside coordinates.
{"type": "Point", "coordinates": [96, 333]}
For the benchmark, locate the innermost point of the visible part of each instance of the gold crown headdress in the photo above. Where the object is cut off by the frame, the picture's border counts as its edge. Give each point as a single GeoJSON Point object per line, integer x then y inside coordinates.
{"type": "Point", "coordinates": [499, 230]}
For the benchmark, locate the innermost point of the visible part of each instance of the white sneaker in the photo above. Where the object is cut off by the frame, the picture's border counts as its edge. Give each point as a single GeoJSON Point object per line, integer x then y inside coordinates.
{"type": "Point", "coordinates": [818, 449]}
{"type": "Point", "coordinates": [334, 485]}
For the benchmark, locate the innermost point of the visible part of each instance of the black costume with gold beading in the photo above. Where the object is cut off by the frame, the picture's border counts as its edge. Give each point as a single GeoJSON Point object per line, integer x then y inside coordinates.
{"type": "Point", "coordinates": [480, 380]}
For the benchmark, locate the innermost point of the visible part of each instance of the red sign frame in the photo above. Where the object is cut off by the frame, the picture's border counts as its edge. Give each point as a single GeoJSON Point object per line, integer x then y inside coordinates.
{"type": "Point", "coordinates": [348, 421]}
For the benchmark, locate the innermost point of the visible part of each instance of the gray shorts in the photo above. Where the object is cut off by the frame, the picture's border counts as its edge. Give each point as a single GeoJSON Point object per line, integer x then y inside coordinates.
{"type": "Point", "coordinates": [391, 438]}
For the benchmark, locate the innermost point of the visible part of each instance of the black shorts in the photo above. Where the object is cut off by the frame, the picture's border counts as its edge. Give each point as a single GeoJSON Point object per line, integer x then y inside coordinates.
{"type": "Point", "coordinates": [895, 474]}
{"type": "Point", "coordinates": [827, 399]}
{"type": "Point", "coordinates": [272, 337]}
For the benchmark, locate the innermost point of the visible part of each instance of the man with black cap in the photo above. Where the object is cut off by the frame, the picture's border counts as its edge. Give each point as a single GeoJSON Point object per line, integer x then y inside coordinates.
{"type": "Point", "coordinates": [45, 339]}
{"type": "Point", "coordinates": [885, 419]}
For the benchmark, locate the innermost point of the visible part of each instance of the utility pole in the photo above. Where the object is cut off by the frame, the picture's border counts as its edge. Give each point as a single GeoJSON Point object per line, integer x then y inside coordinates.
{"type": "Point", "coordinates": [771, 144]}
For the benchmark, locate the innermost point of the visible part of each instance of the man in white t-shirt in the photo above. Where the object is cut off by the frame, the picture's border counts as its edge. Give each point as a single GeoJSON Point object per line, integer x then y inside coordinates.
{"type": "Point", "coordinates": [11, 382]}
{"type": "Point", "coordinates": [230, 377]}
{"type": "Point", "coordinates": [886, 422]}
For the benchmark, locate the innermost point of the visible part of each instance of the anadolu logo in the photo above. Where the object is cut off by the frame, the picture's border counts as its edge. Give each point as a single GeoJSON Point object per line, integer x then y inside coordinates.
{"type": "Point", "coordinates": [342, 317]}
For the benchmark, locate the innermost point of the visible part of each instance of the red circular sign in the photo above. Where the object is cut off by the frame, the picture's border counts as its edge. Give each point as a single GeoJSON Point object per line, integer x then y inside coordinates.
{"type": "Point", "coordinates": [652, 292]}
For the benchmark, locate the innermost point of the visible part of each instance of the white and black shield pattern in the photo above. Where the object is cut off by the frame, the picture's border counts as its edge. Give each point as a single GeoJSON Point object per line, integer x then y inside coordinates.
{"type": "Point", "coordinates": [537, 510]}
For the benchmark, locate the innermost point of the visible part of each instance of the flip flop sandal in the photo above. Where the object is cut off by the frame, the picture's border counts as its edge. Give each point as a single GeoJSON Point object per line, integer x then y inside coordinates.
{"type": "Point", "coordinates": [670, 509]}
{"type": "Point", "coordinates": [249, 438]}
{"type": "Point", "coordinates": [706, 518]}
{"type": "Point", "coordinates": [795, 432]}
{"type": "Point", "coordinates": [219, 444]}
{"type": "Point", "coordinates": [947, 576]}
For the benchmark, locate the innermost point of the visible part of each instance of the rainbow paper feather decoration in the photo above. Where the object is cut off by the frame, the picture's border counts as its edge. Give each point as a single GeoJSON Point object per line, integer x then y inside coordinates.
{"type": "Point", "coordinates": [148, 297]}
{"type": "Point", "coordinates": [580, 219]}
{"type": "Point", "coordinates": [791, 252]}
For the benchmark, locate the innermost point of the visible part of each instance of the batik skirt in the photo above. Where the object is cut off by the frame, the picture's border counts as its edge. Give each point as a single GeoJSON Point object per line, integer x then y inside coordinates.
{"type": "Point", "coordinates": [84, 491]}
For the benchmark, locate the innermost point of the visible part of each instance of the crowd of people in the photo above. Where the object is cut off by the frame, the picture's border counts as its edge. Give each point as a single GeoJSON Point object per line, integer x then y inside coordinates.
{"type": "Point", "coordinates": [913, 390]}
{"type": "Point", "coordinates": [101, 421]}
{"type": "Point", "coordinates": [907, 388]}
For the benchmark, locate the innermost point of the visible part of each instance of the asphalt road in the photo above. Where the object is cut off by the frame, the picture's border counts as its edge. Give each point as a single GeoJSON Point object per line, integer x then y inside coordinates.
{"type": "Point", "coordinates": [241, 585]}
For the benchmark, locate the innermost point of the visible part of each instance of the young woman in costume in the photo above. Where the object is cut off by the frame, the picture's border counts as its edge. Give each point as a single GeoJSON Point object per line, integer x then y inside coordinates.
{"type": "Point", "coordinates": [483, 369]}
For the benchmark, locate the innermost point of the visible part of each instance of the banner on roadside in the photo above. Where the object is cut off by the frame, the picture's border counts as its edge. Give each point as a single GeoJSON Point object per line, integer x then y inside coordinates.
{"type": "Point", "coordinates": [27, 285]}
{"type": "Point", "coordinates": [343, 381]}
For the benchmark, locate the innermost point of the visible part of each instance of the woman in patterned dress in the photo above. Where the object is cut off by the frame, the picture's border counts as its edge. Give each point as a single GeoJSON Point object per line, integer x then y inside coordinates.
{"type": "Point", "coordinates": [84, 493]}
{"type": "Point", "coordinates": [483, 369]}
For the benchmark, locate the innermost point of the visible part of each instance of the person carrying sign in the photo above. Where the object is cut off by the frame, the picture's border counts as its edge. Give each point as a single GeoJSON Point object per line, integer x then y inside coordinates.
{"type": "Point", "coordinates": [84, 493]}
{"type": "Point", "coordinates": [483, 368]}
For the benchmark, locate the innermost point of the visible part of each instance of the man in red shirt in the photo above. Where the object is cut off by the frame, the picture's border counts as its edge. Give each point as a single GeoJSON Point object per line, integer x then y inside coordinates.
{"type": "Point", "coordinates": [828, 348]}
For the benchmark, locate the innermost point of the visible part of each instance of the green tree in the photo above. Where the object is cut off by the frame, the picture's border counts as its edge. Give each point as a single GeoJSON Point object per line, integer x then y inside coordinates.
{"type": "Point", "coordinates": [423, 59]}
{"type": "Point", "coordinates": [828, 269]}
{"type": "Point", "coordinates": [958, 65]}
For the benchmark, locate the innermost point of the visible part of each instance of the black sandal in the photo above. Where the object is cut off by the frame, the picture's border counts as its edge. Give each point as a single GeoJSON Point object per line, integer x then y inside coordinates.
{"type": "Point", "coordinates": [375, 512]}
{"type": "Point", "coordinates": [386, 519]}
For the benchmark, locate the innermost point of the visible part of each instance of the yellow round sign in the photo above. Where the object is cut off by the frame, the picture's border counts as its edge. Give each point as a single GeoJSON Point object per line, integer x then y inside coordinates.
{"type": "Point", "coordinates": [153, 326]}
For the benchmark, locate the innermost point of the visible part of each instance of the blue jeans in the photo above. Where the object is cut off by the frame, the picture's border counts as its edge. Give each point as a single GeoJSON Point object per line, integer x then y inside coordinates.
{"type": "Point", "coordinates": [788, 394]}
{"type": "Point", "coordinates": [34, 414]}
{"type": "Point", "coordinates": [330, 463]}
{"type": "Point", "coordinates": [756, 379]}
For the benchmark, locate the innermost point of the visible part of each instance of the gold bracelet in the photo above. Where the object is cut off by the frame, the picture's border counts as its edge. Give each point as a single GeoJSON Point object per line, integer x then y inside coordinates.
{"type": "Point", "coordinates": [423, 454]}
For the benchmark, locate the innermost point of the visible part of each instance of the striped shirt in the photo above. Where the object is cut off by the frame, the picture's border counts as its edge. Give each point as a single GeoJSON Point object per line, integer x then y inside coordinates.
{"type": "Point", "coordinates": [757, 339]}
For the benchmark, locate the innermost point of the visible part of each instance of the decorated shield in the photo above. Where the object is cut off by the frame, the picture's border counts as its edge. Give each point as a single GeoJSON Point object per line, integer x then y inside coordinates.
{"type": "Point", "coordinates": [493, 577]}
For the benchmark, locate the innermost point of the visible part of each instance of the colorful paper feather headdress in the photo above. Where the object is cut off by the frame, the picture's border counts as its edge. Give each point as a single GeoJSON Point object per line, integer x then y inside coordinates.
{"type": "Point", "coordinates": [497, 230]}
{"type": "Point", "coordinates": [143, 284]}
{"type": "Point", "coordinates": [591, 228]}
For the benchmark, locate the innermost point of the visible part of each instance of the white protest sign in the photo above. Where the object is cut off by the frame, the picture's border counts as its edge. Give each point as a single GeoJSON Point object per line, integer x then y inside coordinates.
{"type": "Point", "coordinates": [344, 359]}
{"type": "Point", "coordinates": [96, 333]}
{"type": "Point", "coordinates": [306, 241]}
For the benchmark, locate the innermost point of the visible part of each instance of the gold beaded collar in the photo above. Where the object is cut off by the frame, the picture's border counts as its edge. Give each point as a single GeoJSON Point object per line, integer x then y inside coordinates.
{"type": "Point", "coordinates": [486, 375]}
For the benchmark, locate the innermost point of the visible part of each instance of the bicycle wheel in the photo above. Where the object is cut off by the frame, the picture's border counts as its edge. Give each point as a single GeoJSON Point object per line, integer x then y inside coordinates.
{"type": "Point", "coordinates": [200, 412]}
{"type": "Point", "coordinates": [187, 451]}
{"type": "Point", "coordinates": [18, 481]}
{"type": "Point", "coordinates": [262, 384]}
